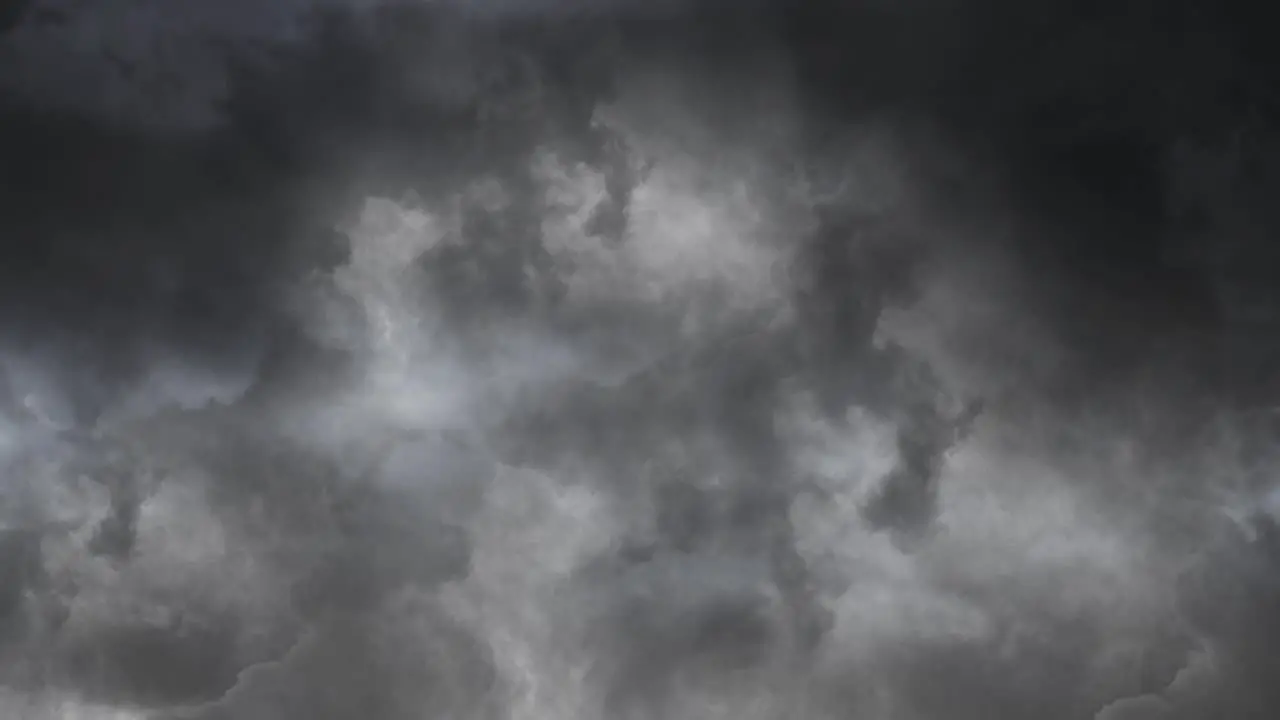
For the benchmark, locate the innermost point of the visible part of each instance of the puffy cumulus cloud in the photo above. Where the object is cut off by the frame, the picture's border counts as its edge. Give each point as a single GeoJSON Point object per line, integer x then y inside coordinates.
{"type": "Point", "coordinates": [682, 241]}
{"type": "Point", "coordinates": [456, 376]}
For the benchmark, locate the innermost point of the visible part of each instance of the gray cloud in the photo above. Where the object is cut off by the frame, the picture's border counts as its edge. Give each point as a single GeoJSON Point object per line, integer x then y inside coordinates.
{"type": "Point", "coordinates": [465, 363]}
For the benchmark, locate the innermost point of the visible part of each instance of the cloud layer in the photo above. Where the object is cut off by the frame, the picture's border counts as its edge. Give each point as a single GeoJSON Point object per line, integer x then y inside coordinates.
{"type": "Point", "coordinates": [466, 363]}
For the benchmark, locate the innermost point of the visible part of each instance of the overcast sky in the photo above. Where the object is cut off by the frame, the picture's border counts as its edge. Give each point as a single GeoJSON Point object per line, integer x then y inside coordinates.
{"type": "Point", "coordinates": [905, 361]}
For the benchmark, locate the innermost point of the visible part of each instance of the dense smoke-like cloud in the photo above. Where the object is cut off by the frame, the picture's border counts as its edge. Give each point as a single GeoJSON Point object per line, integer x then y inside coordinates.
{"type": "Point", "coordinates": [421, 360]}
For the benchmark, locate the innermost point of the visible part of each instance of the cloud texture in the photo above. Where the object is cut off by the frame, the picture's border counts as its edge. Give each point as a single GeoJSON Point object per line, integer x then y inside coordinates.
{"type": "Point", "coordinates": [423, 360]}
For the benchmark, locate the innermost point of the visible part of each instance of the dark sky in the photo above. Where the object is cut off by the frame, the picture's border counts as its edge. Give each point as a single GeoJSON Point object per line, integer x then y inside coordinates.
{"type": "Point", "coordinates": [376, 360]}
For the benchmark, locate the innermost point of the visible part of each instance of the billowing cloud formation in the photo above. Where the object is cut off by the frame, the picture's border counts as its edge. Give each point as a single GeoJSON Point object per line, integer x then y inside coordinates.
{"type": "Point", "coordinates": [483, 364]}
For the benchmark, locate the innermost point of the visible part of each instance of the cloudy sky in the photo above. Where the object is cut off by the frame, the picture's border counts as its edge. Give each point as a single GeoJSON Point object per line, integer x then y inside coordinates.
{"type": "Point", "coordinates": [594, 361]}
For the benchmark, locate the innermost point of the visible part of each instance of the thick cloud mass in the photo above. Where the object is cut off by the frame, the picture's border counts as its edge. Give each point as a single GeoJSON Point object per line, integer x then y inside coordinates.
{"type": "Point", "coordinates": [682, 360]}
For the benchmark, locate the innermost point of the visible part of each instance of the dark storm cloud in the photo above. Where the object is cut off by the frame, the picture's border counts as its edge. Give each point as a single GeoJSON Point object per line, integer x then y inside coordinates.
{"type": "Point", "coordinates": [823, 360]}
